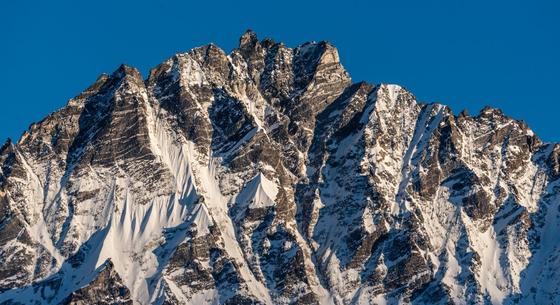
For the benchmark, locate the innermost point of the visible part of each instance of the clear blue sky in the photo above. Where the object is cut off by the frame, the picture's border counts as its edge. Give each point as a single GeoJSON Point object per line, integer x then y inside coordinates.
{"type": "Point", "coordinates": [465, 54]}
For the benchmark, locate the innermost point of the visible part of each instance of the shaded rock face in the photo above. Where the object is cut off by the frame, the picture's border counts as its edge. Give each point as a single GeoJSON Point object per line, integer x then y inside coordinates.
{"type": "Point", "coordinates": [107, 288]}
{"type": "Point", "coordinates": [265, 176]}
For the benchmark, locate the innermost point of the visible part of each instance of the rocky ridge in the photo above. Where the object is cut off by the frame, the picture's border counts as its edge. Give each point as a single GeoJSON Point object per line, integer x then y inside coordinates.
{"type": "Point", "coordinates": [266, 176]}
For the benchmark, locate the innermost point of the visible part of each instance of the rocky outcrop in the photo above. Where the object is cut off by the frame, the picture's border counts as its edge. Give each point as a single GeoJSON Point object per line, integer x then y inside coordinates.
{"type": "Point", "coordinates": [106, 288]}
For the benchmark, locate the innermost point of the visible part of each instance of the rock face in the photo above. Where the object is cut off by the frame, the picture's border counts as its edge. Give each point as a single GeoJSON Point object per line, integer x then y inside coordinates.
{"type": "Point", "coordinates": [106, 289]}
{"type": "Point", "coordinates": [265, 176]}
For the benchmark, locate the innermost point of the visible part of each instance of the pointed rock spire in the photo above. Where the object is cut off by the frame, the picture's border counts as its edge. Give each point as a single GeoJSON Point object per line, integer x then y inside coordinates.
{"type": "Point", "coordinates": [6, 144]}
{"type": "Point", "coordinates": [248, 40]}
{"type": "Point", "coordinates": [124, 70]}
{"type": "Point", "coordinates": [91, 90]}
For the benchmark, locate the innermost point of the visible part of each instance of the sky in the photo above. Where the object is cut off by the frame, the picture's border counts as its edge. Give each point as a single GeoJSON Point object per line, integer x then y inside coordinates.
{"type": "Point", "coordinates": [465, 54]}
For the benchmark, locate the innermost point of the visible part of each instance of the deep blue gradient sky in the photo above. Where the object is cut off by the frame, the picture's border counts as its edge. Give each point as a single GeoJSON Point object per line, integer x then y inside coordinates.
{"type": "Point", "coordinates": [465, 54]}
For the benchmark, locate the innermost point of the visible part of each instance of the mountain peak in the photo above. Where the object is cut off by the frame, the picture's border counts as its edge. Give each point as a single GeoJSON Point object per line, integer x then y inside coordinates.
{"type": "Point", "coordinates": [248, 40]}
{"type": "Point", "coordinates": [265, 176]}
{"type": "Point", "coordinates": [125, 70]}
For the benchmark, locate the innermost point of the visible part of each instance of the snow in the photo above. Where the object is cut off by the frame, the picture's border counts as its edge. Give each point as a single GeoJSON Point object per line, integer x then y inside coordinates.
{"type": "Point", "coordinates": [139, 231]}
{"type": "Point", "coordinates": [190, 71]}
{"type": "Point", "coordinates": [38, 230]}
{"type": "Point", "coordinates": [214, 209]}
{"type": "Point", "coordinates": [259, 192]}
{"type": "Point", "coordinates": [427, 122]}
{"type": "Point", "coordinates": [539, 276]}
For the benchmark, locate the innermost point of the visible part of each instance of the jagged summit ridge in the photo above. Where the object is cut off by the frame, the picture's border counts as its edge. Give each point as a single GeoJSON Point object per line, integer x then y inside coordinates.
{"type": "Point", "coordinates": [265, 176]}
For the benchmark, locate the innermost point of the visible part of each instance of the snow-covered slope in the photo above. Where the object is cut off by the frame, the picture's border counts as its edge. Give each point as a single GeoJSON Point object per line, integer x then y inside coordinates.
{"type": "Point", "coordinates": [266, 176]}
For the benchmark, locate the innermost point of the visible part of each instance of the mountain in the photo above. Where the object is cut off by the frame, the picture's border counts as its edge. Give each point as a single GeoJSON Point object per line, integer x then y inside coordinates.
{"type": "Point", "coordinates": [266, 176]}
